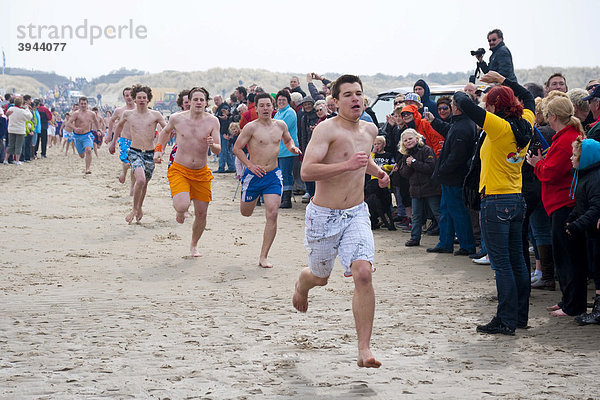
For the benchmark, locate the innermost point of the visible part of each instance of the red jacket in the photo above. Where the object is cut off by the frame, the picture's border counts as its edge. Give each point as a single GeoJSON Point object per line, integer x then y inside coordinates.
{"type": "Point", "coordinates": [45, 111]}
{"type": "Point", "coordinates": [248, 116]}
{"type": "Point", "coordinates": [555, 171]}
{"type": "Point", "coordinates": [432, 137]}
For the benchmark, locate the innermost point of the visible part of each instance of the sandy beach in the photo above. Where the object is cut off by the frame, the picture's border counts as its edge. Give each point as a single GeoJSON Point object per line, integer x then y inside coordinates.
{"type": "Point", "coordinates": [91, 307]}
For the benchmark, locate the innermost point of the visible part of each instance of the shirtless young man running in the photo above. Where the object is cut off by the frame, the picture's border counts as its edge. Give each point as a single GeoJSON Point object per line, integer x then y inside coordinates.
{"type": "Point", "coordinates": [81, 123]}
{"type": "Point", "coordinates": [262, 176]}
{"type": "Point", "coordinates": [142, 124]}
{"type": "Point", "coordinates": [189, 176]}
{"type": "Point", "coordinates": [124, 139]}
{"type": "Point", "coordinates": [337, 219]}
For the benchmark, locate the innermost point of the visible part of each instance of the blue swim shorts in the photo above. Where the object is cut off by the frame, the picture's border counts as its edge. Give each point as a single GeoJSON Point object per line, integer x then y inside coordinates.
{"type": "Point", "coordinates": [83, 140]}
{"type": "Point", "coordinates": [124, 145]}
{"type": "Point", "coordinates": [253, 186]}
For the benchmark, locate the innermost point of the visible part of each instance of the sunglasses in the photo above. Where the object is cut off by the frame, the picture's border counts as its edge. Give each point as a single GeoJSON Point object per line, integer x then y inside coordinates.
{"type": "Point", "coordinates": [406, 114]}
{"type": "Point", "coordinates": [443, 108]}
{"type": "Point", "coordinates": [397, 102]}
{"type": "Point", "coordinates": [320, 109]}
{"type": "Point", "coordinates": [491, 40]}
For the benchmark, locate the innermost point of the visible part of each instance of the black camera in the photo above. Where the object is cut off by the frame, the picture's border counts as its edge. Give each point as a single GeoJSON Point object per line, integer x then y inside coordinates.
{"type": "Point", "coordinates": [479, 52]}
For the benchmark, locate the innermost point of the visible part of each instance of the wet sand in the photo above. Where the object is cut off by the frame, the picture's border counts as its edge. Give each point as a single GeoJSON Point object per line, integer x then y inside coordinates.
{"type": "Point", "coordinates": [91, 307]}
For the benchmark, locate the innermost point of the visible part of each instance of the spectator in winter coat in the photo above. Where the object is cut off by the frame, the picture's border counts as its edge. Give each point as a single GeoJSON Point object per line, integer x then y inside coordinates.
{"type": "Point", "coordinates": [450, 171]}
{"type": "Point", "coordinates": [412, 119]}
{"type": "Point", "coordinates": [295, 86]}
{"type": "Point", "coordinates": [501, 59]}
{"type": "Point", "coordinates": [422, 89]}
{"type": "Point", "coordinates": [555, 173]}
{"type": "Point", "coordinates": [582, 220]}
{"type": "Point", "coordinates": [417, 164]}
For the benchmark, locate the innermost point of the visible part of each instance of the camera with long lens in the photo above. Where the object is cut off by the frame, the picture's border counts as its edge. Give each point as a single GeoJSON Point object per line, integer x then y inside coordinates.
{"type": "Point", "coordinates": [479, 52]}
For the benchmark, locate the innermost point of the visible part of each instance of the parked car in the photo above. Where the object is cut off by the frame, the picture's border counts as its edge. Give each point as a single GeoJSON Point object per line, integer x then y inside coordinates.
{"type": "Point", "coordinates": [384, 103]}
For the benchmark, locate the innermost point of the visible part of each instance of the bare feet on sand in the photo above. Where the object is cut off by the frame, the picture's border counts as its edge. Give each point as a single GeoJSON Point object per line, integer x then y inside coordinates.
{"type": "Point", "coordinates": [300, 300]}
{"type": "Point", "coordinates": [194, 251]}
{"type": "Point", "coordinates": [138, 216]}
{"type": "Point", "coordinates": [553, 308]}
{"type": "Point", "coordinates": [130, 216]}
{"type": "Point", "coordinates": [558, 313]}
{"type": "Point", "coordinates": [179, 217]}
{"type": "Point", "coordinates": [263, 262]}
{"type": "Point", "coordinates": [367, 360]}
{"type": "Point", "coordinates": [122, 177]}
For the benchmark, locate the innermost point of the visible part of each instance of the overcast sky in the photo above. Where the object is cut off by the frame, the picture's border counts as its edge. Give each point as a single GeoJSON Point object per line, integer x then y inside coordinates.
{"type": "Point", "coordinates": [362, 37]}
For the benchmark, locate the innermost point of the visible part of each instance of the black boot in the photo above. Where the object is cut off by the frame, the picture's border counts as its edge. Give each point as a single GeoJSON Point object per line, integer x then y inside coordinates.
{"type": "Point", "coordinates": [286, 199]}
{"type": "Point", "coordinates": [593, 317]}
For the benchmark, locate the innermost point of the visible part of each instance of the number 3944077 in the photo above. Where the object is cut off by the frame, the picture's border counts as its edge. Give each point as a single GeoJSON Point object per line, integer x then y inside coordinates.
{"type": "Point", "coordinates": [41, 46]}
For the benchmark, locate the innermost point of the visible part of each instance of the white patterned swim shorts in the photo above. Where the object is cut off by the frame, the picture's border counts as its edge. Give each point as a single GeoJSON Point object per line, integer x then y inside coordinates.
{"type": "Point", "coordinates": [344, 233]}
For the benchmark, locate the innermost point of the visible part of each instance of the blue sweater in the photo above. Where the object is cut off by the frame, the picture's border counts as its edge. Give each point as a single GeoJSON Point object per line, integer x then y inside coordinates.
{"type": "Point", "coordinates": [288, 115]}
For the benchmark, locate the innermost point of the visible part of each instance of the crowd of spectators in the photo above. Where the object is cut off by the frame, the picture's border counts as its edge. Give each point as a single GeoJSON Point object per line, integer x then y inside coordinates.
{"type": "Point", "coordinates": [512, 170]}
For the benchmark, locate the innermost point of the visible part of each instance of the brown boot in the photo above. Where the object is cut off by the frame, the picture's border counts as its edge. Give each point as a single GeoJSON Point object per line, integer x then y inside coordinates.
{"type": "Point", "coordinates": [547, 262]}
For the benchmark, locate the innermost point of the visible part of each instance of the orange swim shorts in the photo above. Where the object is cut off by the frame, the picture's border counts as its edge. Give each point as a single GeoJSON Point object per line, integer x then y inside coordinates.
{"type": "Point", "coordinates": [194, 181]}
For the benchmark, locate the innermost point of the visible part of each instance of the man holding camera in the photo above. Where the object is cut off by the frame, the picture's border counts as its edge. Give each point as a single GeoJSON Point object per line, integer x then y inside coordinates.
{"type": "Point", "coordinates": [500, 60]}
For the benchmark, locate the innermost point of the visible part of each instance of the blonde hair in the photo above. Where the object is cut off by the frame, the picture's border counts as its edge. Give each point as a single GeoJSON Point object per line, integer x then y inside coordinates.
{"type": "Point", "coordinates": [410, 131]}
{"type": "Point", "coordinates": [398, 109]}
{"type": "Point", "coordinates": [366, 101]}
{"type": "Point", "coordinates": [577, 147]}
{"type": "Point", "coordinates": [234, 125]}
{"type": "Point", "coordinates": [380, 139]}
{"type": "Point", "coordinates": [558, 103]}
{"type": "Point", "coordinates": [539, 113]}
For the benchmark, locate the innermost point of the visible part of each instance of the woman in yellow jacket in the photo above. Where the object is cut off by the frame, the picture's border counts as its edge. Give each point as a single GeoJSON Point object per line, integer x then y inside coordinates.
{"type": "Point", "coordinates": [508, 126]}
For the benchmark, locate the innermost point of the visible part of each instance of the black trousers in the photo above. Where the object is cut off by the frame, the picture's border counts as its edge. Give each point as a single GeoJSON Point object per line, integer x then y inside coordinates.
{"type": "Point", "coordinates": [570, 262]}
{"type": "Point", "coordinates": [43, 138]}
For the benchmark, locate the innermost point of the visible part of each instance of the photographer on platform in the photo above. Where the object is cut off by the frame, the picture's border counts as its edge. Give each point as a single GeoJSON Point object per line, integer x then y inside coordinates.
{"type": "Point", "coordinates": [500, 60]}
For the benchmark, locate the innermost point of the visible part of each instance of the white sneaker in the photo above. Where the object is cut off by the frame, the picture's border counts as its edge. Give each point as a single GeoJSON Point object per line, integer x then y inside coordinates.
{"type": "Point", "coordinates": [482, 261]}
{"type": "Point", "coordinates": [5, 162]}
{"type": "Point", "coordinates": [306, 198]}
{"type": "Point", "coordinates": [536, 276]}
{"type": "Point", "coordinates": [18, 162]}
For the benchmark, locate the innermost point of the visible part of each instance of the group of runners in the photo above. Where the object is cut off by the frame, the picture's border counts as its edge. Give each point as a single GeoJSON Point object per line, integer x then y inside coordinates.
{"type": "Point", "coordinates": [337, 158]}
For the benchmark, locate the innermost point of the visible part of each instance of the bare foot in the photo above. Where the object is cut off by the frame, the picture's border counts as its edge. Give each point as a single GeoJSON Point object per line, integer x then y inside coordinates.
{"type": "Point", "coordinates": [553, 308]}
{"type": "Point", "coordinates": [194, 251]}
{"type": "Point", "coordinates": [263, 262]}
{"type": "Point", "coordinates": [300, 300]}
{"type": "Point", "coordinates": [558, 313]}
{"type": "Point", "coordinates": [180, 217]}
{"type": "Point", "coordinates": [130, 216]}
{"type": "Point", "coordinates": [122, 176]}
{"type": "Point", "coordinates": [367, 360]}
{"type": "Point", "coordinates": [138, 216]}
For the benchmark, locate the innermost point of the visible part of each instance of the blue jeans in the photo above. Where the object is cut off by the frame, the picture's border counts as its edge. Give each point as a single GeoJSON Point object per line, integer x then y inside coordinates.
{"type": "Point", "coordinates": [286, 165]}
{"type": "Point", "coordinates": [541, 225]}
{"type": "Point", "coordinates": [26, 152]}
{"type": "Point", "coordinates": [455, 218]}
{"type": "Point", "coordinates": [310, 188]}
{"type": "Point", "coordinates": [226, 157]}
{"type": "Point", "coordinates": [501, 225]}
{"type": "Point", "coordinates": [419, 207]}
